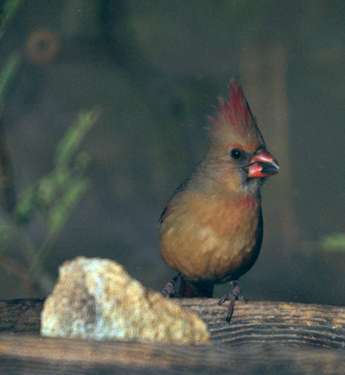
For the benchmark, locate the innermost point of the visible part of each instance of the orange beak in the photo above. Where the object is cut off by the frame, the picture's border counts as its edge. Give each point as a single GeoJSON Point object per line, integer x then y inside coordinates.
{"type": "Point", "coordinates": [262, 165]}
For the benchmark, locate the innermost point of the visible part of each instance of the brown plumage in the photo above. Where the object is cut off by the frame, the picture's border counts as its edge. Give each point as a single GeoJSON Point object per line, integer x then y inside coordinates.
{"type": "Point", "coordinates": [211, 230]}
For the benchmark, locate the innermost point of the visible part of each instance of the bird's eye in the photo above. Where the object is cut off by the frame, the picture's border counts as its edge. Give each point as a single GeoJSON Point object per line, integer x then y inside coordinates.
{"type": "Point", "coordinates": [236, 153]}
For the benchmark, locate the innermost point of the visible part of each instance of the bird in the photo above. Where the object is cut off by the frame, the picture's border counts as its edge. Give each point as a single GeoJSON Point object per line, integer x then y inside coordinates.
{"type": "Point", "coordinates": [211, 229]}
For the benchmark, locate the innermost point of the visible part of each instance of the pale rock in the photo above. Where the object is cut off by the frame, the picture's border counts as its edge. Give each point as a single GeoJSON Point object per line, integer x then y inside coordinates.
{"type": "Point", "coordinates": [97, 299]}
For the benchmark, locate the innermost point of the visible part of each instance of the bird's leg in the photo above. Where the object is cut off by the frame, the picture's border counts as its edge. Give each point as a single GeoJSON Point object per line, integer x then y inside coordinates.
{"type": "Point", "coordinates": [232, 295]}
{"type": "Point", "coordinates": [170, 289]}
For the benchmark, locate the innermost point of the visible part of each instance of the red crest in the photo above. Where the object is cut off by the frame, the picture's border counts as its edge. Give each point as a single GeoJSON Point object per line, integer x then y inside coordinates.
{"type": "Point", "coordinates": [235, 117]}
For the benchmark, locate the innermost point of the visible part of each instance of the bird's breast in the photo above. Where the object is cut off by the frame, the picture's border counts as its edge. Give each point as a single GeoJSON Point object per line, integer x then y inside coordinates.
{"type": "Point", "coordinates": [209, 237]}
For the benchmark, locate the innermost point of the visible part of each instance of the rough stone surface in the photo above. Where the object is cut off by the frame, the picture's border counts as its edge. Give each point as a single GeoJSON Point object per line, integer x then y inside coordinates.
{"type": "Point", "coordinates": [96, 298]}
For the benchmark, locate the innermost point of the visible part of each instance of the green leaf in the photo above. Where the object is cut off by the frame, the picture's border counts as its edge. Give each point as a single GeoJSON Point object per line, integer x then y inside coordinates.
{"type": "Point", "coordinates": [51, 187]}
{"type": "Point", "coordinates": [6, 76]}
{"type": "Point", "coordinates": [8, 12]}
{"type": "Point", "coordinates": [26, 205]}
{"type": "Point", "coordinates": [63, 209]}
{"type": "Point", "coordinates": [64, 182]}
{"type": "Point", "coordinates": [334, 242]}
{"type": "Point", "coordinates": [74, 136]}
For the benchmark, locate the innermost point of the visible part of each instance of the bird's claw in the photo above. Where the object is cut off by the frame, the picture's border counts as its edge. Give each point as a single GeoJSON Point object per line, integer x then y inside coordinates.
{"type": "Point", "coordinates": [232, 295]}
{"type": "Point", "coordinates": [170, 288]}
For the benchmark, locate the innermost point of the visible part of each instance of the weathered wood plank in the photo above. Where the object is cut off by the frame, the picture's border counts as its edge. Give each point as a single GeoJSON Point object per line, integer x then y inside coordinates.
{"type": "Point", "coordinates": [263, 337]}
{"type": "Point", "coordinates": [269, 322]}
{"type": "Point", "coordinates": [266, 322]}
{"type": "Point", "coordinates": [35, 355]}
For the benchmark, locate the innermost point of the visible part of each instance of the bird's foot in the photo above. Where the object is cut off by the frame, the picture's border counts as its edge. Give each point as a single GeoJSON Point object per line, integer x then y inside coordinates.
{"type": "Point", "coordinates": [232, 295]}
{"type": "Point", "coordinates": [170, 289]}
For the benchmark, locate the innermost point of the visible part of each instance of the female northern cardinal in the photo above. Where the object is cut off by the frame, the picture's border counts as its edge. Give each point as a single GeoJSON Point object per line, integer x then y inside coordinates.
{"type": "Point", "coordinates": [211, 229]}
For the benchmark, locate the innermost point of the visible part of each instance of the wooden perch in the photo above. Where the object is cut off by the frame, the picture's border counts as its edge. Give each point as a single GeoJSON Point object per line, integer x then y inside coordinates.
{"type": "Point", "coordinates": [268, 337]}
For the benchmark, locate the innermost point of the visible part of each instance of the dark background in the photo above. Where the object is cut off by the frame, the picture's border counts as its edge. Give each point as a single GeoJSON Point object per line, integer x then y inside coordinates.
{"type": "Point", "coordinates": [156, 68]}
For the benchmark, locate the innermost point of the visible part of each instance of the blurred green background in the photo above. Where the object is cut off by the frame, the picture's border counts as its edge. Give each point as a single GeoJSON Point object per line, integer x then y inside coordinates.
{"type": "Point", "coordinates": [104, 106]}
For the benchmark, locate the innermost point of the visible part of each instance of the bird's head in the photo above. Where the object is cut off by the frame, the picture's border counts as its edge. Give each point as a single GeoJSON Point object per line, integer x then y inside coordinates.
{"type": "Point", "coordinates": [238, 151]}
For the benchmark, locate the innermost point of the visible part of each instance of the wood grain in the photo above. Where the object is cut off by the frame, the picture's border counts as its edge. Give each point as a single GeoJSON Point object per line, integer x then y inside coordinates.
{"type": "Point", "coordinates": [274, 322]}
{"type": "Point", "coordinates": [263, 337]}
{"type": "Point", "coordinates": [35, 355]}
